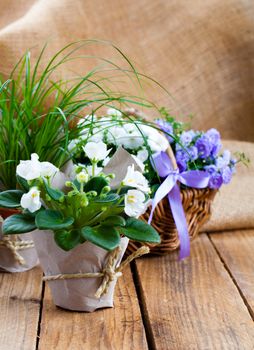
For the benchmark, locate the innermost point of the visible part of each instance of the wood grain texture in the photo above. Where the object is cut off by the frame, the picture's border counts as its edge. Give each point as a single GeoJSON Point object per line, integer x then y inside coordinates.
{"type": "Point", "coordinates": [20, 296]}
{"type": "Point", "coordinates": [118, 328]}
{"type": "Point", "coordinates": [193, 304]}
{"type": "Point", "coordinates": [236, 251]}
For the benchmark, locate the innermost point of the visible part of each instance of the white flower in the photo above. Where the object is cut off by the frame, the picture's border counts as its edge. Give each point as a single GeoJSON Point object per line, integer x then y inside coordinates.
{"type": "Point", "coordinates": [96, 151]}
{"type": "Point", "coordinates": [155, 140]}
{"type": "Point", "coordinates": [48, 169]}
{"type": "Point", "coordinates": [135, 179]}
{"type": "Point", "coordinates": [29, 169]}
{"type": "Point", "coordinates": [135, 204]}
{"type": "Point", "coordinates": [142, 155]}
{"type": "Point", "coordinates": [33, 169]}
{"type": "Point", "coordinates": [82, 177]}
{"type": "Point", "coordinates": [95, 136]}
{"type": "Point", "coordinates": [115, 135]}
{"type": "Point", "coordinates": [114, 112]}
{"type": "Point", "coordinates": [132, 140]}
{"type": "Point", "coordinates": [97, 170]}
{"type": "Point", "coordinates": [31, 200]}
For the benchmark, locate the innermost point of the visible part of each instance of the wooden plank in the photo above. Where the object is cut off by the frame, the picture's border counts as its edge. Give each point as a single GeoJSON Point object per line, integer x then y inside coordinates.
{"type": "Point", "coordinates": [193, 304]}
{"type": "Point", "coordinates": [20, 297]}
{"type": "Point", "coordinates": [236, 250]}
{"type": "Point", "coordinates": [117, 328]}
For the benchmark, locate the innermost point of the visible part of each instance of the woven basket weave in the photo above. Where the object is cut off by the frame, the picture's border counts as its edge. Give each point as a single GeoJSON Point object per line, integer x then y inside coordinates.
{"type": "Point", "coordinates": [197, 208]}
{"type": "Point", "coordinates": [196, 204]}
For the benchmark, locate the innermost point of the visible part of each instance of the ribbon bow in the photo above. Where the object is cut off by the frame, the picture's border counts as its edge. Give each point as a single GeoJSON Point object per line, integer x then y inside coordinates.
{"type": "Point", "coordinates": [169, 187]}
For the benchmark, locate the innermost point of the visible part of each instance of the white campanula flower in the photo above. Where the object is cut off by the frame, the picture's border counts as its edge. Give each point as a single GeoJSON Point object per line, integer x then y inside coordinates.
{"type": "Point", "coordinates": [82, 177]}
{"type": "Point", "coordinates": [31, 200]}
{"type": "Point", "coordinates": [155, 140]}
{"type": "Point", "coordinates": [142, 154]}
{"type": "Point", "coordinates": [96, 151]}
{"type": "Point", "coordinates": [135, 179]}
{"type": "Point", "coordinates": [95, 136]}
{"type": "Point", "coordinates": [132, 140]}
{"type": "Point", "coordinates": [114, 112]}
{"type": "Point", "coordinates": [135, 204]}
{"type": "Point", "coordinates": [116, 135]}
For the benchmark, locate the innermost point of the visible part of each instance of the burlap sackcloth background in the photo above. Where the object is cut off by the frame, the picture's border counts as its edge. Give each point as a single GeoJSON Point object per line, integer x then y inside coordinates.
{"type": "Point", "coordinates": [202, 51]}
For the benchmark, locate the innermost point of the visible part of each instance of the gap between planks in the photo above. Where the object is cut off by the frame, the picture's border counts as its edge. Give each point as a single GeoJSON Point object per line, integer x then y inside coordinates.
{"type": "Point", "coordinates": [235, 249]}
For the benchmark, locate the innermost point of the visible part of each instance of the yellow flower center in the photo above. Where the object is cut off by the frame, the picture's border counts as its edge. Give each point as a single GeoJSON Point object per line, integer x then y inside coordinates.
{"type": "Point", "coordinates": [131, 199]}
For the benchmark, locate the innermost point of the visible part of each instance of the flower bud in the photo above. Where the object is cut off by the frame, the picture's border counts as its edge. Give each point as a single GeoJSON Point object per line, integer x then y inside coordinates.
{"type": "Point", "coordinates": [82, 177]}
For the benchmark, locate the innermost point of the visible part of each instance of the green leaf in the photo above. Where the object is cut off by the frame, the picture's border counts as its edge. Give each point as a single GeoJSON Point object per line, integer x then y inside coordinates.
{"type": "Point", "coordinates": [96, 183]}
{"type": "Point", "coordinates": [52, 219]}
{"type": "Point", "coordinates": [140, 231]}
{"type": "Point", "coordinates": [55, 194]}
{"type": "Point", "coordinates": [104, 237]}
{"type": "Point", "coordinates": [67, 240]}
{"type": "Point", "coordinates": [114, 220]}
{"type": "Point", "coordinates": [23, 183]}
{"type": "Point", "coordinates": [11, 198]}
{"type": "Point", "coordinates": [18, 223]}
{"type": "Point", "coordinates": [111, 198]}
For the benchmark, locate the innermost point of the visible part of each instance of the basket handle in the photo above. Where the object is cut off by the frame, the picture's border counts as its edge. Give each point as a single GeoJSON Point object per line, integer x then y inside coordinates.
{"type": "Point", "coordinates": [136, 113]}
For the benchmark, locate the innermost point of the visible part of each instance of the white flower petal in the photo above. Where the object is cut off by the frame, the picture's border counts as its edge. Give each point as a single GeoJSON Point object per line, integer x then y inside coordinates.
{"type": "Point", "coordinates": [48, 169]}
{"type": "Point", "coordinates": [135, 179]}
{"type": "Point", "coordinates": [135, 204]}
{"type": "Point", "coordinates": [31, 200]}
{"type": "Point", "coordinates": [96, 150]}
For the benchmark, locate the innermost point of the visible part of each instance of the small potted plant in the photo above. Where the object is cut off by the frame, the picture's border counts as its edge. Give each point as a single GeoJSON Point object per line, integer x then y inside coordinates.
{"type": "Point", "coordinates": [39, 113]}
{"type": "Point", "coordinates": [81, 229]}
{"type": "Point", "coordinates": [185, 169]}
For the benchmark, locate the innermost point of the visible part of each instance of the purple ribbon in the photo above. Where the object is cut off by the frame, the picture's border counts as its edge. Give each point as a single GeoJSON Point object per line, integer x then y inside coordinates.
{"type": "Point", "coordinates": [169, 187]}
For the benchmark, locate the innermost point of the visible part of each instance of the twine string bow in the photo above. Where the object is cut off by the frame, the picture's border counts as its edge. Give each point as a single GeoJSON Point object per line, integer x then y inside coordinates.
{"type": "Point", "coordinates": [14, 243]}
{"type": "Point", "coordinates": [109, 273]}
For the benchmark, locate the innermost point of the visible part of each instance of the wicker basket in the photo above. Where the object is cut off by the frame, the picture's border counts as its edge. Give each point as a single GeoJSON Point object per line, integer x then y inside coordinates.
{"type": "Point", "coordinates": [197, 208]}
{"type": "Point", "coordinates": [196, 204]}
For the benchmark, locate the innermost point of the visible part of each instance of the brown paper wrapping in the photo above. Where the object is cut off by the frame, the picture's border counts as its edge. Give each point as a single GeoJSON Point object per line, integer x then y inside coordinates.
{"type": "Point", "coordinates": [8, 262]}
{"type": "Point", "coordinates": [75, 294]}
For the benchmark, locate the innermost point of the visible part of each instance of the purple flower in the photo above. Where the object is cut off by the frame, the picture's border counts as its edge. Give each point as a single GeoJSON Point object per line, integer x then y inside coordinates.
{"type": "Point", "coordinates": [204, 147]}
{"type": "Point", "coordinates": [211, 169]}
{"type": "Point", "coordinates": [223, 161]}
{"type": "Point", "coordinates": [193, 152]}
{"type": "Point", "coordinates": [182, 160]}
{"type": "Point", "coordinates": [187, 137]}
{"type": "Point", "coordinates": [214, 136]}
{"type": "Point", "coordinates": [167, 128]}
{"type": "Point", "coordinates": [216, 149]}
{"type": "Point", "coordinates": [215, 180]}
{"type": "Point", "coordinates": [227, 175]}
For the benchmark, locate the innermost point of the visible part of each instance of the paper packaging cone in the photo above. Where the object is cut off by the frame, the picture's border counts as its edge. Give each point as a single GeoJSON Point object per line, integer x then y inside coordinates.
{"type": "Point", "coordinates": [75, 294]}
{"type": "Point", "coordinates": [8, 262]}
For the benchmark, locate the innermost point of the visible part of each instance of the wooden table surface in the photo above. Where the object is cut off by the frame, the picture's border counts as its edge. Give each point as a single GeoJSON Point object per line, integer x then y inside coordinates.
{"type": "Point", "coordinates": [204, 302]}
